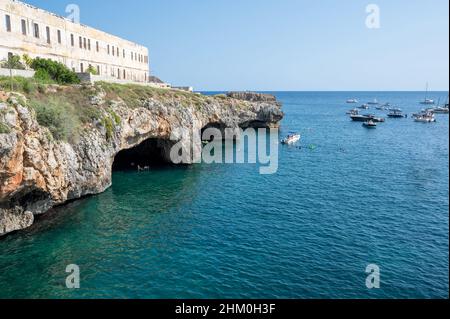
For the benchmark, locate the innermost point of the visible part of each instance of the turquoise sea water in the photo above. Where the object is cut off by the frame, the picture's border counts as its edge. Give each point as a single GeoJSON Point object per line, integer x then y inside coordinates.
{"type": "Point", "coordinates": [348, 198]}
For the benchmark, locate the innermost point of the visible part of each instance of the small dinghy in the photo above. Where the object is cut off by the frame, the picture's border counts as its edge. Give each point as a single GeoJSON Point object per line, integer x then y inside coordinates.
{"type": "Point", "coordinates": [292, 138]}
{"type": "Point", "coordinates": [370, 124]}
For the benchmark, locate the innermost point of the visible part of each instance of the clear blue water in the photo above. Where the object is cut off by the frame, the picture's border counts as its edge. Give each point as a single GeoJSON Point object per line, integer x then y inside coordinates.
{"type": "Point", "coordinates": [223, 231]}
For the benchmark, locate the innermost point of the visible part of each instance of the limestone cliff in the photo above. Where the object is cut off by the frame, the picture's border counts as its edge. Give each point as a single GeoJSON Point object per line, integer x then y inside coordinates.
{"type": "Point", "coordinates": [40, 169]}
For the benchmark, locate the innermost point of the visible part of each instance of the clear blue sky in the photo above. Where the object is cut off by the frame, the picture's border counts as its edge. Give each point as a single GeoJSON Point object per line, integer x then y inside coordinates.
{"type": "Point", "coordinates": [281, 45]}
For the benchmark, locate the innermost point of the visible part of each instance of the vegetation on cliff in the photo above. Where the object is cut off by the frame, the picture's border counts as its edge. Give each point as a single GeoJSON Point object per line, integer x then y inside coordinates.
{"type": "Point", "coordinates": [68, 109]}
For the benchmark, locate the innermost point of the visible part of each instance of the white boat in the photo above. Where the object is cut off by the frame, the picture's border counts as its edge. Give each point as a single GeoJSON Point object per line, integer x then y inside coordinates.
{"type": "Point", "coordinates": [370, 124]}
{"type": "Point", "coordinates": [291, 139]}
{"type": "Point", "coordinates": [425, 119]}
{"type": "Point", "coordinates": [353, 112]}
{"type": "Point", "coordinates": [374, 102]}
{"type": "Point", "coordinates": [427, 101]}
{"type": "Point", "coordinates": [440, 110]}
{"type": "Point", "coordinates": [352, 101]}
{"type": "Point", "coordinates": [364, 107]}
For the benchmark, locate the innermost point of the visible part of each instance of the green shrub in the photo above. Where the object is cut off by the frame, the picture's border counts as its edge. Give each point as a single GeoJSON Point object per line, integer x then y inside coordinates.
{"type": "Point", "coordinates": [117, 119]}
{"type": "Point", "coordinates": [57, 72]}
{"type": "Point", "coordinates": [58, 117]}
{"type": "Point", "coordinates": [28, 87]}
{"type": "Point", "coordinates": [4, 129]}
{"type": "Point", "coordinates": [109, 126]}
{"type": "Point", "coordinates": [42, 76]}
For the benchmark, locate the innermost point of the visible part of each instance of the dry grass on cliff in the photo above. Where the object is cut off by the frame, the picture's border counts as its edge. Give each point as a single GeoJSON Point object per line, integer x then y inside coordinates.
{"type": "Point", "coordinates": [67, 110]}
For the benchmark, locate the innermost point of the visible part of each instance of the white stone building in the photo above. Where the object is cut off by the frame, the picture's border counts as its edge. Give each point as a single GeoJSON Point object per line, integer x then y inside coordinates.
{"type": "Point", "coordinates": [25, 29]}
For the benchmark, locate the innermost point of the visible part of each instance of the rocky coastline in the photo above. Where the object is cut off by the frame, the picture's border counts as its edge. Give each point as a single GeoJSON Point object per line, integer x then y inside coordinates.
{"type": "Point", "coordinates": [39, 171]}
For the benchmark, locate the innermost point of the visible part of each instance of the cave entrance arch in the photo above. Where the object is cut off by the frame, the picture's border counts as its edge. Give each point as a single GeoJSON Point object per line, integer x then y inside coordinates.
{"type": "Point", "coordinates": [150, 153]}
{"type": "Point", "coordinates": [216, 125]}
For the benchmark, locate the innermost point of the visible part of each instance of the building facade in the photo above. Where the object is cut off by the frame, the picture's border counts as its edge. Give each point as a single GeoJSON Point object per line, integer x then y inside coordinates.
{"type": "Point", "coordinates": [25, 29]}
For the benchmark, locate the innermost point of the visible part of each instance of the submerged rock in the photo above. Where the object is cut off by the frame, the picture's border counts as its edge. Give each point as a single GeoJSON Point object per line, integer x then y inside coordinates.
{"type": "Point", "coordinates": [38, 171]}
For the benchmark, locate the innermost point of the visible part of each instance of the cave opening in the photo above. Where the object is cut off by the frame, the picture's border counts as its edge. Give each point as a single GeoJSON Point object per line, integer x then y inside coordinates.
{"type": "Point", "coordinates": [219, 126]}
{"type": "Point", "coordinates": [148, 154]}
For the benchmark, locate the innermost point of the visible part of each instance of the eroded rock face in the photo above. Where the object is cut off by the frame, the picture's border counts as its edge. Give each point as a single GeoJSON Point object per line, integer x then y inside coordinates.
{"type": "Point", "coordinates": [38, 172]}
{"type": "Point", "coordinates": [252, 97]}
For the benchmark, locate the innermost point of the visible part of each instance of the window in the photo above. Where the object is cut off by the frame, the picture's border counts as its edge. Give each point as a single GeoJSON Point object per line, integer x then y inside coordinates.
{"type": "Point", "coordinates": [8, 23]}
{"type": "Point", "coordinates": [81, 67]}
{"type": "Point", "coordinates": [89, 44]}
{"type": "Point", "coordinates": [108, 48]}
{"type": "Point", "coordinates": [97, 46]}
{"type": "Point", "coordinates": [80, 39]}
{"type": "Point", "coordinates": [118, 52]}
{"type": "Point", "coordinates": [124, 74]}
{"type": "Point", "coordinates": [113, 51]}
{"type": "Point", "coordinates": [84, 43]}
{"type": "Point", "coordinates": [24, 27]}
{"type": "Point", "coordinates": [131, 56]}
{"type": "Point", "coordinates": [72, 40]}
{"type": "Point", "coordinates": [47, 31]}
{"type": "Point", "coordinates": [36, 30]}
{"type": "Point", "coordinates": [123, 53]}
{"type": "Point", "coordinates": [98, 69]}
{"type": "Point", "coordinates": [59, 37]}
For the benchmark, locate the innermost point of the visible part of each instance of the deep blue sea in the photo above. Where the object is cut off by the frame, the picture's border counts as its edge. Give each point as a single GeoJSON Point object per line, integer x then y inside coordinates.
{"type": "Point", "coordinates": [349, 197]}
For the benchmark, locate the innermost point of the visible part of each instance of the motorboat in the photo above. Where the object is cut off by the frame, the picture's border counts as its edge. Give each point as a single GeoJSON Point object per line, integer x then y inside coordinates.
{"type": "Point", "coordinates": [425, 119]}
{"type": "Point", "coordinates": [352, 101]}
{"type": "Point", "coordinates": [370, 124]}
{"type": "Point", "coordinates": [374, 102]}
{"type": "Point", "coordinates": [366, 117]}
{"type": "Point", "coordinates": [292, 138]}
{"type": "Point", "coordinates": [396, 113]}
{"type": "Point", "coordinates": [353, 112]}
{"type": "Point", "coordinates": [364, 107]}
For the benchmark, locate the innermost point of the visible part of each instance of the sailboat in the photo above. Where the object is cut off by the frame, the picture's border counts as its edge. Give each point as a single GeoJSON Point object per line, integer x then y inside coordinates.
{"type": "Point", "coordinates": [427, 101]}
{"type": "Point", "coordinates": [441, 109]}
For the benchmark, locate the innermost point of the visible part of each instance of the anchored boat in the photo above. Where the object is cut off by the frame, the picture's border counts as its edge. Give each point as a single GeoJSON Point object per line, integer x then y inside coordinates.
{"type": "Point", "coordinates": [366, 117]}
{"type": "Point", "coordinates": [427, 101]}
{"type": "Point", "coordinates": [292, 138]}
{"type": "Point", "coordinates": [396, 113]}
{"type": "Point", "coordinates": [441, 110]}
{"type": "Point", "coordinates": [370, 124]}
{"type": "Point", "coordinates": [425, 119]}
{"type": "Point", "coordinates": [353, 112]}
